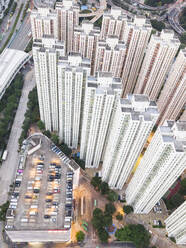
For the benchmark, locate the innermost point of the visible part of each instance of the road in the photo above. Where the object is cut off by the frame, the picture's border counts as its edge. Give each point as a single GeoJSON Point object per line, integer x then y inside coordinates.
{"type": "Point", "coordinates": [2, 244]}
{"type": "Point", "coordinates": [12, 22]}
{"type": "Point", "coordinates": [173, 18]}
{"type": "Point", "coordinates": [21, 38]}
{"type": "Point", "coordinates": [97, 14]}
{"type": "Point", "coordinates": [8, 168]}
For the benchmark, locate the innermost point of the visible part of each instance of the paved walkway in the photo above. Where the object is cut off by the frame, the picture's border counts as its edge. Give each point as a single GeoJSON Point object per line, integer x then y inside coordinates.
{"type": "Point", "coordinates": [8, 168]}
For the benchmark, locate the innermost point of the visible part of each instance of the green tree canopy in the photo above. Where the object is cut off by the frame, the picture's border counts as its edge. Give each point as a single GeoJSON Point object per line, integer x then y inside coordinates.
{"type": "Point", "coordinates": [107, 219]}
{"type": "Point", "coordinates": [134, 233]}
{"type": "Point", "coordinates": [104, 188]}
{"type": "Point", "coordinates": [41, 125]}
{"type": "Point", "coordinates": [96, 182]}
{"type": "Point", "coordinates": [103, 235]}
{"type": "Point", "coordinates": [112, 196]}
{"type": "Point", "coordinates": [127, 209]}
{"type": "Point", "coordinates": [97, 220]}
{"type": "Point", "coordinates": [119, 216]}
{"type": "Point", "coordinates": [80, 236]}
{"type": "Point", "coordinates": [55, 138]}
{"type": "Point", "coordinates": [47, 133]}
{"type": "Point", "coordinates": [157, 25]}
{"type": "Point", "coordinates": [110, 209]}
{"type": "Point", "coordinates": [182, 190]}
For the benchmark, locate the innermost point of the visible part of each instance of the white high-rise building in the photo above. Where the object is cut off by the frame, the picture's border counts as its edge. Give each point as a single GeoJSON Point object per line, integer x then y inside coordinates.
{"type": "Point", "coordinates": [135, 34]}
{"type": "Point", "coordinates": [157, 63]}
{"type": "Point", "coordinates": [44, 22]}
{"type": "Point", "coordinates": [85, 40]}
{"type": "Point", "coordinates": [173, 96]}
{"type": "Point", "coordinates": [58, 22]}
{"type": "Point", "coordinates": [162, 164]}
{"type": "Point", "coordinates": [101, 95]}
{"type": "Point", "coordinates": [110, 55]}
{"type": "Point", "coordinates": [132, 124]}
{"type": "Point", "coordinates": [68, 18]}
{"type": "Point", "coordinates": [114, 22]}
{"type": "Point", "coordinates": [72, 76]}
{"type": "Point", "coordinates": [176, 224]}
{"type": "Point", "coordinates": [136, 37]}
{"type": "Point", "coordinates": [60, 85]}
{"type": "Point", "coordinates": [45, 54]}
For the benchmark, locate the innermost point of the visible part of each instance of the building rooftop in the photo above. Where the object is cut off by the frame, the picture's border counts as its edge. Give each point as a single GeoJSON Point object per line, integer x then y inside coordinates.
{"type": "Point", "coordinates": [42, 192]}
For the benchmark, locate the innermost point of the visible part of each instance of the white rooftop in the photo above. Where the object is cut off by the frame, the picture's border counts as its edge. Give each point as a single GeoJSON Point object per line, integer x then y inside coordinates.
{"type": "Point", "coordinates": [10, 62]}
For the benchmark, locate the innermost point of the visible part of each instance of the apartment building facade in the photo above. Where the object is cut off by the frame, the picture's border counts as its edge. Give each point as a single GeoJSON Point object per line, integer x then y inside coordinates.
{"type": "Point", "coordinates": [132, 124]}
{"type": "Point", "coordinates": [157, 63]}
{"type": "Point", "coordinates": [162, 164]}
{"type": "Point", "coordinates": [101, 96]}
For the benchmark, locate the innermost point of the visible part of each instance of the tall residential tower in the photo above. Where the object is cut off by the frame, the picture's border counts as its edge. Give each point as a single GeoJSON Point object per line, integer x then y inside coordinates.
{"type": "Point", "coordinates": [176, 224]}
{"type": "Point", "coordinates": [60, 85]}
{"type": "Point", "coordinates": [132, 124]}
{"type": "Point", "coordinates": [157, 63]}
{"type": "Point", "coordinates": [173, 96]}
{"type": "Point", "coordinates": [162, 164]}
{"type": "Point", "coordinates": [101, 95]}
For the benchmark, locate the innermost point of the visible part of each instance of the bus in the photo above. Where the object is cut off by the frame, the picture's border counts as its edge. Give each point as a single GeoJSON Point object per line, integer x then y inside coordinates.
{"type": "Point", "coordinates": [5, 154]}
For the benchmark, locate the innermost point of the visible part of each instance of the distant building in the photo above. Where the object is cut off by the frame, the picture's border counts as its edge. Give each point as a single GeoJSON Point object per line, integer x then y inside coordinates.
{"type": "Point", "coordinates": [176, 224]}
{"type": "Point", "coordinates": [110, 56]}
{"type": "Point", "coordinates": [114, 23]}
{"type": "Point", "coordinates": [101, 96]}
{"type": "Point", "coordinates": [85, 40]}
{"type": "Point", "coordinates": [173, 96]}
{"type": "Point", "coordinates": [11, 61]}
{"type": "Point", "coordinates": [58, 22]}
{"type": "Point", "coordinates": [157, 63]}
{"type": "Point", "coordinates": [135, 34]}
{"type": "Point", "coordinates": [44, 22]}
{"type": "Point", "coordinates": [136, 37]}
{"type": "Point", "coordinates": [68, 18]}
{"type": "Point", "coordinates": [131, 126]}
{"type": "Point", "coordinates": [162, 164]}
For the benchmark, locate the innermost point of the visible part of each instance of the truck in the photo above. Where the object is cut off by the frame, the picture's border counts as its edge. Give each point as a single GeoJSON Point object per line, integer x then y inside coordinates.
{"type": "Point", "coordinates": [5, 154]}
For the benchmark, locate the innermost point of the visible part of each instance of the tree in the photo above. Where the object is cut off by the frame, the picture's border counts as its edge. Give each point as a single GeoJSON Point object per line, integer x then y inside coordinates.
{"type": "Point", "coordinates": [157, 25]}
{"type": "Point", "coordinates": [47, 133]}
{"type": "Point", "coordinates": [134, 233]}
{"type": "Point", "coordinates": [107, 219]}
{"type": "Point", "coordinates": [183, 38]}
{"type": "Point", "coordinates": [55, 139]}
{"type": "Point", "coordinates": [67, 151]}
{"type": "Point", "coordinates": [98, 213]}
{"type": "Point", "coordinates": [127, 209]}
{"type": "Point", "coordinates": [104, 188]}
{"type": "Point", "coordinates": [182, 190]}
{"type": "Point", "coordinates": [41, 125]}
{"type": "Point", "coordinates": [96, 182]}
{"type": "Point", "coordinates": [174, 202]}
{"type": "Point", "coordinates": [103, 235]}
{"type": "Point", "coordinates": [112, 196]}
{"type": "Point", "coordinates": [110, 209]}
{"type": "Point", "coordinates": [183, 18]}
{"type": "Point", "coordinates": [173, 239]}
{"type": "Point", "coordinates": [119, 216]}
{"type": "Point", "coordinates": [80, 236]}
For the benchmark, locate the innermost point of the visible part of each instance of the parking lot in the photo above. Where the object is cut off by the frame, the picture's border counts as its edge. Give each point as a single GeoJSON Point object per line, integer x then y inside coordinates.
{"type": "Point", "coordinates": [43, 195]}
